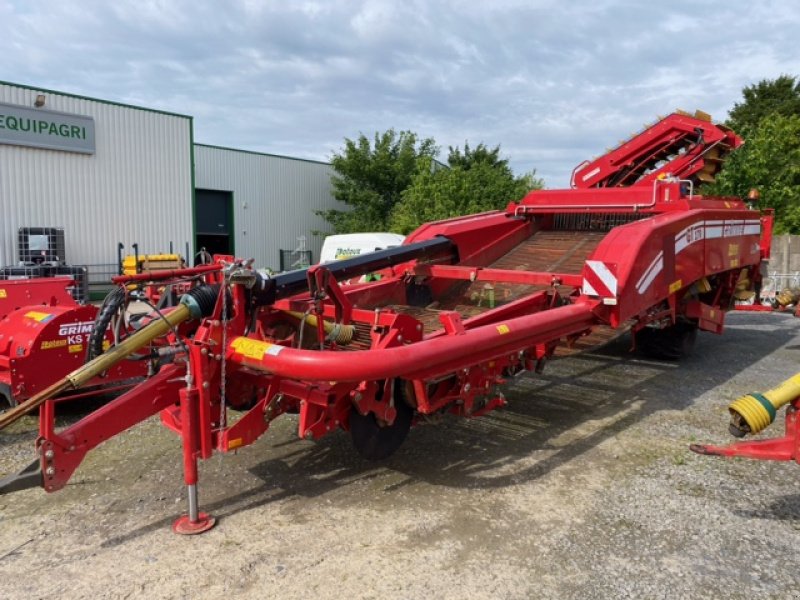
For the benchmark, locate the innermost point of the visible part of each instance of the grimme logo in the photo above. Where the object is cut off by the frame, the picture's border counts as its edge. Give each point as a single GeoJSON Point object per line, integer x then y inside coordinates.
{"type": "Point", "coordinates": [733, 230]}
{"type": "Point", "coordinates": [76, 333]}
{"type": "Point", "coordinates": [696, 233]}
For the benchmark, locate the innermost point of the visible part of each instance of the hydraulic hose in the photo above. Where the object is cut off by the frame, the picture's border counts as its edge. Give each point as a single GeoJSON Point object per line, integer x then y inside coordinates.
{"type": "Point", "coordinates": [341, 334]}
{"type": "Point", "coordinates": [754, 412]}
{"type": "Point", "coordinates": [111, 304]}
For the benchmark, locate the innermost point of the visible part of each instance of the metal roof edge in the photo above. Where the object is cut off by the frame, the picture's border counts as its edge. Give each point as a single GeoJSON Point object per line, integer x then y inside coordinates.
{"type": "Point", "coordinates": [309, 160]}
{"type": "Point", "coordinates": [99, 100]}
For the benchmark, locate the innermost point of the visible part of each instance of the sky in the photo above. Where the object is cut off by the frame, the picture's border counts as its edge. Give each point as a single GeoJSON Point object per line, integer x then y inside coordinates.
{"type": "Point", "coordinates": [552, 82]}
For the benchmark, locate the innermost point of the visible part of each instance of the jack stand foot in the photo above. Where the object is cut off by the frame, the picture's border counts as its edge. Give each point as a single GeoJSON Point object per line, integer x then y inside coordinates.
{"type": "Point", "coordinates": [185, 526]}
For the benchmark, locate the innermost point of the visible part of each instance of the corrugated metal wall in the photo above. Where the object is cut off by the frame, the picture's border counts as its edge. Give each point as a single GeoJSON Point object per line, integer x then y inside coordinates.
{"type": "Point", "coordinates": [137, 187]}
{"type": "Point", "coordinates": [274, 199]}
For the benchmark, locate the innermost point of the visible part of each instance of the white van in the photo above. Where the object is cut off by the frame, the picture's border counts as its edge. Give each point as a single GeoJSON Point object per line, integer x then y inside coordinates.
{"type": "Point", "coordinates": [347, 245]}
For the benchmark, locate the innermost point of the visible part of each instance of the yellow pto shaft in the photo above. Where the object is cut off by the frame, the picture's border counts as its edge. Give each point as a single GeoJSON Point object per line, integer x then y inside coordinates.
{"type": "Point", "coordinates": [754, 412]}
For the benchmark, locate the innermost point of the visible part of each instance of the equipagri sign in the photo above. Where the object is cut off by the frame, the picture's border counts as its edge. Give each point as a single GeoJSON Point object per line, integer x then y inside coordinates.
{"type": "Point", "coordinates": [22, 126]}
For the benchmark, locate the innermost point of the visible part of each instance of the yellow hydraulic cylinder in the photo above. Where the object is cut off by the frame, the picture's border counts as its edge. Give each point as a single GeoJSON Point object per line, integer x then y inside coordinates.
{"type": "Point", "coordinates": [754, 412]}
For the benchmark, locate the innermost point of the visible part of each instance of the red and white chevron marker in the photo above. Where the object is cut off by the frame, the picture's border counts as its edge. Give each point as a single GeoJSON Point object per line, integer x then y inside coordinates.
{"type": "Point", "coordinates": [600, 279]}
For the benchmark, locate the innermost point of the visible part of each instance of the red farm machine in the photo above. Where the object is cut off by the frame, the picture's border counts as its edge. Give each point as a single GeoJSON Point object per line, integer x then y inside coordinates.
{"type": "Point", "coordinates": [47, 324]}
{"type": "Point", "coordinates": [461, 305]}
{"type": "Point", "coordinates": [44, 334]}
{"type": "Point", "coordinates": [48, 328]}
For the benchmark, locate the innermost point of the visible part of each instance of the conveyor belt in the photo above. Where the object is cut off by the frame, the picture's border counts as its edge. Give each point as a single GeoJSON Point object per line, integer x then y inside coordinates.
{"type": "Point", "coordinates": [546, 251]}
{"type": "Point", "coordinates": [557, 251]}
{"type": "Point", "coordinates": [600, 336]}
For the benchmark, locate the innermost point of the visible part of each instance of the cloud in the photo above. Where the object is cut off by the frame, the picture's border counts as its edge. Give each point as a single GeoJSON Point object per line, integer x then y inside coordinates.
{"type": "Point", "coordinates": [554, 83]}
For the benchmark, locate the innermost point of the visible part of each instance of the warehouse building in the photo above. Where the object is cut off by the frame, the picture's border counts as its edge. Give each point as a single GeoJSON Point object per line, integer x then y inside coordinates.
{"type": "Point", "coordinates": [264, 203]}
{"type": "Point", "coordinates": [110, 174]}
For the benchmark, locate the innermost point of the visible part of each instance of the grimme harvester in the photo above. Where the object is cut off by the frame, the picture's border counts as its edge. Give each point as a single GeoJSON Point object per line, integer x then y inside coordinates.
{"type": "Point", "coordinates": [44, 335]}
{"type": "Point", "coordinates": [460, 306]}
{"type": "Point", "coordinates": [47, 329]}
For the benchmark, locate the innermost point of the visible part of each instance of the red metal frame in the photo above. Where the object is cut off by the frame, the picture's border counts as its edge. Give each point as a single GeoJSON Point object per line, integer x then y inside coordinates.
{"type": "Point", "coordinates": [651, 268]}
{"type": "Point", "coordinates": [783, 448]}
{"type": "Point", "coordinates": [44, 291]}
{"type": "Point", "coordinates": [680, 145]}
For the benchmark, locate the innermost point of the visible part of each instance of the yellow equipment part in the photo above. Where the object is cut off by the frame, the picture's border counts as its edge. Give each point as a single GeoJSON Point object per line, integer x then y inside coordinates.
{"type": "Point", "coordinates": [151, 262]}
{"type": "Point", "coordinates": [754, 412]}
{"type": "Point", "coordinates": [787, 297]}
{"type": "Point", "coordinates": [703, 286]}
{"type": "Point", "coordinates": [743, 285]}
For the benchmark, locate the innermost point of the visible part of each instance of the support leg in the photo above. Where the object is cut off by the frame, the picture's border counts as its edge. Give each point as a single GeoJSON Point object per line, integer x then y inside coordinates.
{"type": "Point", "coordinates": [195, 522]}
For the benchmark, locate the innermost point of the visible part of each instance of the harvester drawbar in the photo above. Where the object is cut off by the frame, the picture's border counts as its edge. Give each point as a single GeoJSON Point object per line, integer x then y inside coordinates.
{"type": "Point", "coordinates": [461, 306]}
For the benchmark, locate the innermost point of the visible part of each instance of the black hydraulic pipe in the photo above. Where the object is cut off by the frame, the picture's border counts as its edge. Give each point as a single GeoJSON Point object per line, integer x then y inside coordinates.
{"type": "Point", "coordinates": [268, 289]}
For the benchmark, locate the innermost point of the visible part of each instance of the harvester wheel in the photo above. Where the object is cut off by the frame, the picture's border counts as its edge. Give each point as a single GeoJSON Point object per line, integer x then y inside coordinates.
{"type": "Point", "coordinates": [376, 442]}
{"type": "Point", "coordinates": [670, 343]}
{"type": "Point", "coordinates": [112, 310]}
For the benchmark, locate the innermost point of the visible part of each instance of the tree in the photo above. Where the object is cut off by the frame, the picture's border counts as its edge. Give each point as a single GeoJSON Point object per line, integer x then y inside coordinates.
{"type": "Point", "coordinates": [769, 121]}
{"type": "Point", "coordinates": [770, 163]}
{"type": "Point", "coordinates": [477, 181]}
{"type": "Point", "coordinates": [371, 177]}
{"type": "Point", "coordinates": [777, 96]}
{"type": "Point", "coordinates": [480, 155]}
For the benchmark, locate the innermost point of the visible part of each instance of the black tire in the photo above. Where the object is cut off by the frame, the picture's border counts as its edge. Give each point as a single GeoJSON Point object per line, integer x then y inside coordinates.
{"type": "Point", "coordinates": [113, 306]}
{"type": "Point", "coordinates": [374, 442]}
{"type": "Point", "coordinates": [6, 400]}
{"type": "Point", "coordinates": [670, 343]}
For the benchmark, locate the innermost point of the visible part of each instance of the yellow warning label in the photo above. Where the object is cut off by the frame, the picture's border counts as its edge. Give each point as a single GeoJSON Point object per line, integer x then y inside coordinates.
{"type": "Point", "coordinates": [73, 348]}
{"type": "Point", "coordinates": [234, 443]}
{"type": "Point", "coordinates": [675, 286]}
{"type": "Point", "coordinates": [250, 348]}
{"type": "Point", "coordinates": [41, 317]}
{"type": "Point", "coordinates": [503, 329]}
{"type": "Point", "coordinates": [3, 293]}
{"type": "Point", "coordinates": [734, 262]}
{"type": "Point", "coordinates": [50, 344]}
{"type": "Point", "coordinates": [733, 249]}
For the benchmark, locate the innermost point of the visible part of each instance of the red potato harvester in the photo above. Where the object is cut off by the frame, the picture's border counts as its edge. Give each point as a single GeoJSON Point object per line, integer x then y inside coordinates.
{"type": "Point", "coordinates": [462, 305]}
{"type": "Point", "coordinates": [44, 335]}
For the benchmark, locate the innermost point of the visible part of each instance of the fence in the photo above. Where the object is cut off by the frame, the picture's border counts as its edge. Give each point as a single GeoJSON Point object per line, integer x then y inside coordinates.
{"type": "Point", "coordinates": [295, 259]}
{"type": "Point", "coordinates": [99, 279]}
{"type": "Point", "coordinates": [79, 291]}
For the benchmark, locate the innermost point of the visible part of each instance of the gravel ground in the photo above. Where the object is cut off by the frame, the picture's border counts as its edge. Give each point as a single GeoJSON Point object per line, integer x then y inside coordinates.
{"type": "Point", "coordinates": [583, 487]}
